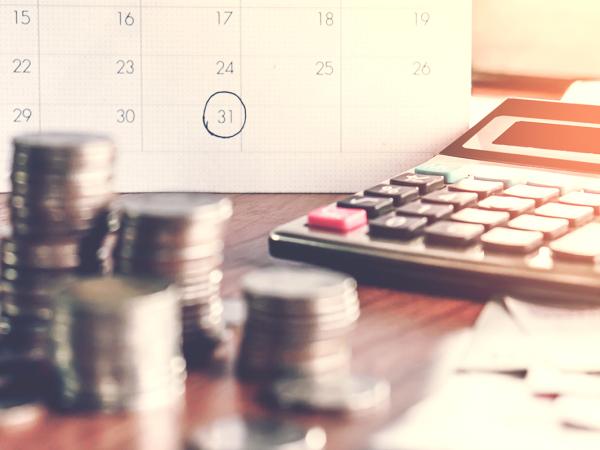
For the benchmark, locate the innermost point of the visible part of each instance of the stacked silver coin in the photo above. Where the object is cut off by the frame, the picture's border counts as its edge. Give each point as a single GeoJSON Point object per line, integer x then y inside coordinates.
{"type": "Point", "coordinates": [59, 207]}
{"type": "Point", "coordinates": [299, 323]}
{"type": "Point", "coordinates": [180, 237]}
{"type": "Point", "coordinates": [116, 344]}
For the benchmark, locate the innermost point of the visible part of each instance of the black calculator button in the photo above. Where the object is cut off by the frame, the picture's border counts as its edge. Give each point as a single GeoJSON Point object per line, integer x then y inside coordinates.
{"type": "Point", "coordinates": [576, 215]}
{"type": "Point", "coordinates": [551, 227]}
{"type": "Point", "coordinates": [458, 200]}
{"type": "Point", "coordinates": [400, 194]}
{"type": "Point", "coordinates": [512, 205]}
{"type": "Point", "coordinates": [582, 244]}
{"type": "Point", "coordinates": [425, 183]}
{"type": "Point", "coordinates": [373, 206]}
{"type": "Point", "coordinates": [430, 211]}
{"type": "Point", "coordinates": [510, 240]}
{"type": "Point", "coordinates": [582, 199]}
{"type": "Point", "coordinates": [539, 194]}
{"type": "Point", "coordinates": [446, 232]}
{"type": "Point", "coordinates": [397, 227]}
{"type": "Point", "coordinates": [488, 219]}
{"type": "Point", "coordinates": [481, 188]}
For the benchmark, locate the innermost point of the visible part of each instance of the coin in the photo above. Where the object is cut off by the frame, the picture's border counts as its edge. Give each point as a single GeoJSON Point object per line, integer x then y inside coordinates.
{"type": "Point", "coordinates": [239, 433]}
{"type": "Point", "coordinates": [346, 393]}
{"type": "Point", "coordinates": [116, 343]}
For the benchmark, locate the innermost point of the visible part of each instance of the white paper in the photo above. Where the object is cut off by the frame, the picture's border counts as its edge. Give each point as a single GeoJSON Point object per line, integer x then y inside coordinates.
{"type": "Point", "coordinates": [546, 380]}
{"type": "Point", "coordinates": [483, 412]}
{"type": "Point", "coordinates": [564, 336]}
{"type": "Point", "coordinates": [498, 344]}
{"type": "Point", "coordinates": [244, 95]}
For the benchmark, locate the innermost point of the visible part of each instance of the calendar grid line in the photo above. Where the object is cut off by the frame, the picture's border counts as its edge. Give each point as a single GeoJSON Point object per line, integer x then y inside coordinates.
{"type": "Point", "coordinates": [39, 65]}
{"type": "Point", "coordinates": [341, 88]}
{"type": "Point", "coordinates": [241, 67]}
{"type": "Point", "coordinates": [141, 77]}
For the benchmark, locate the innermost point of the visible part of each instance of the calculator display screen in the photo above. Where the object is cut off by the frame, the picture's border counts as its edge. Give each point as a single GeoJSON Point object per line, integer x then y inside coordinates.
{"type": "Point", "coordinates": [551, 136]}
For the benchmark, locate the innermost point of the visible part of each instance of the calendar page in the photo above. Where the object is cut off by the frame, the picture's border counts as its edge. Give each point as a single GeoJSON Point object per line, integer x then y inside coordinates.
{"type": "Point", "coordinates": [241, 95]}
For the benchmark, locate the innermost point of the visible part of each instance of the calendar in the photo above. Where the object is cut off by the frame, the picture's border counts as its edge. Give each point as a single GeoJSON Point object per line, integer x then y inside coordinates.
{"type": "Point", "coordinates": [241, 95]}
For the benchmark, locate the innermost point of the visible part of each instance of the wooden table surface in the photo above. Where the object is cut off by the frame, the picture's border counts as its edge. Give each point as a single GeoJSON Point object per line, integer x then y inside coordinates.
{"type": "Point", "coordinates": [396, 338]}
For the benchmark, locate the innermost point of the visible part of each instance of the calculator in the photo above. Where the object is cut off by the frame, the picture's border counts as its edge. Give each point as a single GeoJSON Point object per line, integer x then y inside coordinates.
{"type": "Point", "coordinates": [512, 206]}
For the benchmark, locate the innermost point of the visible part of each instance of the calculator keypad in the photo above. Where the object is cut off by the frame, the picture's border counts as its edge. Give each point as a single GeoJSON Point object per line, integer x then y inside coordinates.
{"type": "Point", "coordinates": [425, 183]}
{"type": "Point", "coordinates": [501, 211]}
{"type": "Point", "coordinates": [338, 219]}
{"type": "Point", "coordinates": [397, 227]}
{"type": "Point", "coordinates": [399, 194]}
{"type": "Point", "coordinates": [551, 227]}
{"type": "Point", "coordinates": [447, 232]}
{"type": "Point", "coordinates": [430, 211]}
{"type": "Point", "coordinates": [511, 240]}
{"type": "Point", "coordinates": [488, 219]}
{"type": "Point", "coordinates": [538, 194]}
{"type": "Point", "coordinates": [581, 244]}
{"type": "Point", "coordinates": [458, 200]}
{"type": "Point", "coordinates": [582, 199]}
{"type": "Point", "coordinates": [373, 206]}
{"type": "Point", "coordinates": [576, 215]}
{"type": "Point", "coordinates": [512, 205]}
{"type": "Point", "coordinates": [482, 188]}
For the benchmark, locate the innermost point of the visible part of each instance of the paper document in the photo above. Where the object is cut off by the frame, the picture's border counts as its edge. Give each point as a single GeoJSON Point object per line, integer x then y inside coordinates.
{"type": "Point", "coordinates": [244, 95]}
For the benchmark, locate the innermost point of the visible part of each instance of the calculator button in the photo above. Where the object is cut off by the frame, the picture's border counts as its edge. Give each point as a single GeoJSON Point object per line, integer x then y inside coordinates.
{"type": "Point", "coordinates": [564, 185]}
{"type": "Point", "coordinates": [453, 233]}
{"type": "Point", "coordinates": [552, 227]}
{"type": "Point", "coordinates": [582, 243]}
{"type": "Point", "coordinates": [425, 183]}
{"type": "Point", "coordinates": [452, 173]}
{"type": "Point", "coordinates": [510, 240]}
{"type": "Point", "coordinates": [458, 200]}
{"type": "Point", "coordinates": [492, 173]}
{"type": "Point", "coordinates": [576, 215]}
{"type": "Point", "coordinates": [430, 211]}
{"type": "Point", "coordinates": [339, 219]}
{"type": "Point", "coordinates": [593, 187]}
{"type": "Point", "coordinates": [400, 194]}
{"type": "Point", "coordinates": [539, 194]}
{"type": "Point", "coordinates": [373, 206]}
{"type": "Point", "coordinates": [582, 199]}
{"type": "Point", "coordinates": [397, 227]}
{"type": "Point", "coordinates": [512, 205]}
{"type": "Point", "coordinates": [481, 188]}
{"type": "Point", "coordinates": [488, 219]}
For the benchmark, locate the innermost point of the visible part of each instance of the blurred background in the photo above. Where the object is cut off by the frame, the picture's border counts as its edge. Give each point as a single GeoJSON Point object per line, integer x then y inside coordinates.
{"type": "Point", "coordinates": [536, 48]}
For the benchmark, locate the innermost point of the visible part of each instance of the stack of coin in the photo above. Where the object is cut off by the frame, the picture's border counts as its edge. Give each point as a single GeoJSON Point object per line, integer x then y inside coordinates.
{"type": "Point", "coordinates": [299, 323]}
{"type": "Point", "coordinates": [59, 206]}
{"type": "Point", "coordinates": [180, 237]}
{"type": "Point", "coordinates": [116, 344]}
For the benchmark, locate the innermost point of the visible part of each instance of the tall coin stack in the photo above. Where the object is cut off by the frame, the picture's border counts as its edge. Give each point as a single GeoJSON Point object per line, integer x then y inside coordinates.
{"type": "Point", "coordinates": [180, 237]}
{"type": "Point", "coordinates": [61, 190]}
{"type": "Point", "coordinates": [116, 343]}
{"type": "Point", "coordinates": [299, 322]}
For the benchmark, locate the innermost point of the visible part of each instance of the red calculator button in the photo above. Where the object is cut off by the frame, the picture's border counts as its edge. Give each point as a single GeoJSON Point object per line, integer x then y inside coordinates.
{"type": "Point", "coordinates": [339, 219]}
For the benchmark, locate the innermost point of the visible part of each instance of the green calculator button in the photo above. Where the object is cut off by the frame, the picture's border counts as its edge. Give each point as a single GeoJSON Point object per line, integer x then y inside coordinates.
{"type": "Point", "coordinates": [452, 173]}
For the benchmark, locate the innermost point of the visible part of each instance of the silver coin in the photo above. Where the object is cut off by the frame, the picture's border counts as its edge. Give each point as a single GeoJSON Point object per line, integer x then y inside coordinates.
{"type": "Point", "coordinates": [304, 286]}
{"type": "Point", "coordinates": [177, 206]}
{"type": "Point", "coordinates": [19, 412]}
{"type": "Point", "coordinates": [238, 433]}
{"type": "Point", "coordinates": [350, 393]}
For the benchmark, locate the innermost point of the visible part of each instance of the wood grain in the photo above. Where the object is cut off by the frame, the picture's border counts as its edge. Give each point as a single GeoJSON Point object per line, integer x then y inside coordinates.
{"type": "Point", "coordinates": [396, 338]}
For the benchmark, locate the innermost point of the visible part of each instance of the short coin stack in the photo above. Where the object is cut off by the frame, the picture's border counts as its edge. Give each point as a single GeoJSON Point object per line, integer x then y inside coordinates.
{"type": "Point", "coordinates": [299, 322]}
{"type": "Point", "coordinates": [61, 191]}
{"type": "Point", "coordinates": [116, 343]}
{"type": "Point", "coordinates": [180, 237]}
